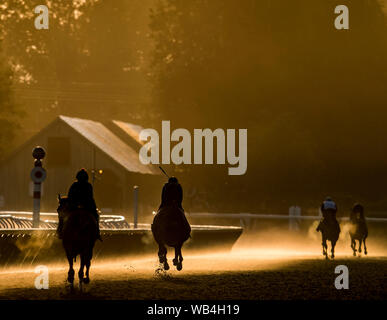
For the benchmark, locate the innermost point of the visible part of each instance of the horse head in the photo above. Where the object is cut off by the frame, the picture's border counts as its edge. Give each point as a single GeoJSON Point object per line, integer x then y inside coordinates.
{"type": "Point", "coordinates": [63, 203]}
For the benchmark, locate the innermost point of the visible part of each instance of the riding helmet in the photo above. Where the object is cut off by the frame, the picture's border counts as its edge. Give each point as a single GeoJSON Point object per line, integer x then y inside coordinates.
{"type": "Point", "coordinates": [82, 175]}
{"type": "Point", "coordinates": [172, 180]}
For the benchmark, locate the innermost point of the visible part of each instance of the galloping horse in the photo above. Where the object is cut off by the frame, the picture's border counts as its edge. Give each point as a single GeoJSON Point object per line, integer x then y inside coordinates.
{"type": "Point", "coordinates": [330, 230]}
{"type": "Point", "coordinates": [170, 227]}
{"type": "Point", "coordinates": [79, 236]}
{"type": "Point", "coordinates": [358, 228]}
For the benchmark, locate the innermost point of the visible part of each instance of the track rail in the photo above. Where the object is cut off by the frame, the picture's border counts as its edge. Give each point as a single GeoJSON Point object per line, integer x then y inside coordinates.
{"type": "Point", "coordinates": [23, 220]}
{"type": "Point", "coordinates": [268, 216]}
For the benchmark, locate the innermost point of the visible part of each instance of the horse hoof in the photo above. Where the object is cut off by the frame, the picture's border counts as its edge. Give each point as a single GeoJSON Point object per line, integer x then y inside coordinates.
{"type": "Point", "coordinates": [179, 267]}
{"type": "Point", "coordinates": [365, 252]}
{"type": "Point", "coordinates": [166, 266]}
{"type": "Point", "coordinates": [354, 254]}
{"type": "Point", "coordinates": [86, 280]}
{"type": "Point", "coordinates": [175, 262]}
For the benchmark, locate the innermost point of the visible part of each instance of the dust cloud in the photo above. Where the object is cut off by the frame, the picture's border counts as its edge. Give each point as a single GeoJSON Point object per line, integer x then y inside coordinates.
{"type": "Point", "coordinates": [253, 250]}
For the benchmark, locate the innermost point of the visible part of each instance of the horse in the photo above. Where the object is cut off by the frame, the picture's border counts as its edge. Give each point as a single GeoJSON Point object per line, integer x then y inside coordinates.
{"type": "Point", "coordinates": [170, 227]}
{"type": "Point", "coordinates": [79, 236]}
{"type": "Point", "coordinates": [358, 229]}
{"type": "Point", "coordinates": [330, 230]}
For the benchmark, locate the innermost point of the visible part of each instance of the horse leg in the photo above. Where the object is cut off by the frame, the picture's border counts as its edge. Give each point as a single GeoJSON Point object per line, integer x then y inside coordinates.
{"type": "Point", "coordinates": [88, 258]}
{"type": "Point", "coordinates": [162, 253]}
{"type": "Point", "coordinates": [180, 263]}
{"type": "Point", "coordinates": [333, 244]}
{"type": "Point", "coordinates": [176, 259]}
{"type": "Point", "coordinates": [353, 246]}
{"type": "Point", "coordinates": [325, 247]}
{"type": "Point", "coordinates": [70, 274]}
{"type": "Point", "coordinates": [360, 241]}
{"type": "Point", "coordinates": [86, 280]}
{"type": "Point", "coordinates": [365, 248]}
{"type": "Point", "coordinates": [163, 256]}
{"type": "Point", "coordinates": [80, 272]}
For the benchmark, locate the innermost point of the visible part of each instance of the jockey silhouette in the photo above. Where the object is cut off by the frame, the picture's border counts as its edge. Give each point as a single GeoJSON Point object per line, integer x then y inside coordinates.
{"type": "Point", "coordinates": [80, 195]}
{"type": "Point", "coordinates": [172, 193]}
{"type": "Point", "coordinates": [328, 209]}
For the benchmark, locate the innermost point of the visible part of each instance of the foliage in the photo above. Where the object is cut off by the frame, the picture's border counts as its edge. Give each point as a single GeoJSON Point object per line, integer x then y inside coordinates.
{"type": "Point", "coordinates": [312, 97]}
{"type": "Point", "coordinates": [89, 63]}
{"type": "Point", "coordinates": [8, 110]}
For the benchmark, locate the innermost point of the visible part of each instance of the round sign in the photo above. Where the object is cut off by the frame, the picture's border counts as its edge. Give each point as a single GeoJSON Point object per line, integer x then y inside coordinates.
{"type": "Point", "coordinates": [38, 174]}
{"type": "Point", "coordinates": [38, 153]}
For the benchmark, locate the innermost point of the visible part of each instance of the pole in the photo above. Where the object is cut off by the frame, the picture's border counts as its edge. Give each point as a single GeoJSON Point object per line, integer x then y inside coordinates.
{"type": "Point", "coordinates": [36, 212]}
{"type": "Point", "coordinates": [93, 166]}
{"type": "Point", "coordinates": [135, 206]}
{"type": "Point", "coordinates": [38, 175]}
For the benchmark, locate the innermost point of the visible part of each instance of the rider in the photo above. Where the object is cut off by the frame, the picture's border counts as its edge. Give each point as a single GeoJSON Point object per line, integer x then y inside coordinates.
{"type": "Point", "coordinates": [81, 195]}
{"type": "Point", "coordinates": [172, 193]}
{"type": "Point", "coordinates": [328, 209]}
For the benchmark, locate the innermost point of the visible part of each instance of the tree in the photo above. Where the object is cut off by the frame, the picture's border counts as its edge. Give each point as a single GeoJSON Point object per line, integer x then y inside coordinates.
{"type": "Point", "coordinates": [89, 63]}
{"type": "Point", "coordinates": [8, 111]}
{"type": "Point", "coordinates": [313, 98]}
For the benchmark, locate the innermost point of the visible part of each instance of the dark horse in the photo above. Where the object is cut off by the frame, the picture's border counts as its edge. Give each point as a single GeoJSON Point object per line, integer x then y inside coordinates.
{"type": "Point", "coordinates": [330, 230]}
{"type": "Point", "coordinates": [358, 228]}
{"type": "Point", "coordinates": [79, 236]}
{"type": "Point", "coordinates": [170, 227]}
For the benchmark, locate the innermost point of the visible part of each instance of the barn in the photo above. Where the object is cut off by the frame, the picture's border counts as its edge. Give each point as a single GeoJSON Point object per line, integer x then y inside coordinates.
{"type": "Point", "coordinates": [108, 152]}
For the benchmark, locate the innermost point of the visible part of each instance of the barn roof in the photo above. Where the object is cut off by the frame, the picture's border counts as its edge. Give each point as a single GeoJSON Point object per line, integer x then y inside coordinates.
{"type": "Point", "coordinates": [108, 143]}
{"type": "Point", "coordinates": [130, 129]}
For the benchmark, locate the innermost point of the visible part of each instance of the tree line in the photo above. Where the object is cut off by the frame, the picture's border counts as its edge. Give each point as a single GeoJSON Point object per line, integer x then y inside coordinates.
{"type": "Point", "coordinates": [313, 98]}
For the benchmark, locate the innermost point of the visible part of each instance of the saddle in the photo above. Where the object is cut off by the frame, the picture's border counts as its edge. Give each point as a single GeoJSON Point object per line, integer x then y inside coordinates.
{"type": "Point", "coordinates": [327, 224]}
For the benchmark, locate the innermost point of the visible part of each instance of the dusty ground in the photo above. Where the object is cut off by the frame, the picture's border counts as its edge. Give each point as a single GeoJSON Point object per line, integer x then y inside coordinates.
{"type": "Point", "coordinates": [261, 266]}
{"type": "Point", "coordinates": [243, 274]}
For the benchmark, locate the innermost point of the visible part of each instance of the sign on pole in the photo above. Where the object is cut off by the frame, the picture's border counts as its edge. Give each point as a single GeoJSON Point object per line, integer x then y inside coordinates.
{"type": "Point", "coordinates": [38, 175]}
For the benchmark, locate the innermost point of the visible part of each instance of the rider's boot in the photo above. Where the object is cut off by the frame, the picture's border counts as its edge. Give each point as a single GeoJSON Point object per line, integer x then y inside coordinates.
{"type": "Point", "coordinates": [99, 234]}
{"type": "Point", "coordinates": [59, 230]}
{"type": "Point", "coordinates": [98, 230]}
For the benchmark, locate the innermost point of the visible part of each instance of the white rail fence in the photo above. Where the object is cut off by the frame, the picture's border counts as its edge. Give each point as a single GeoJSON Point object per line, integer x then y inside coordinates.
{"type": "Point", "coordinates": [294, 217]}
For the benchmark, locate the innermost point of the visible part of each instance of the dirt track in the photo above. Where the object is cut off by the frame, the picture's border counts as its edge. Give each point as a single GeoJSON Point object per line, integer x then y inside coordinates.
{"type": "Point", "coordinates": [241, 275]}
